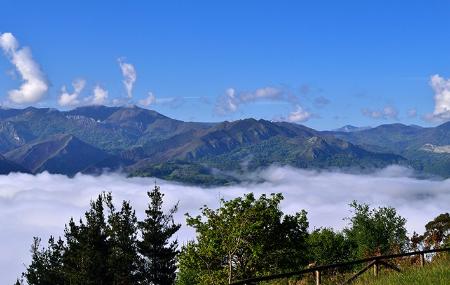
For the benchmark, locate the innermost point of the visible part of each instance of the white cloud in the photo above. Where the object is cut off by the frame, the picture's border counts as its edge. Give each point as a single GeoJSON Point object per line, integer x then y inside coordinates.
{"type": "Point", "coordinates": [40, 205]}
{"type": "Point", "coordinates": [261, 94]}
{"type": "Point", "coordinates": [412, 113]}
{"type": "Point", "coordinates": [299, 115]}
{"type": "Point", "coordinates": [388, 112]}
{"type": "Point", "coordinates": [149, 100]}
{"type": "Point", "coordinates": [99, 96]}
{"type": "Point", "coordinates": [129, 74]}
{"type": "Point", "coordinates": [228, 103]}
{"type": "Point", "coordinates": [232, 99]}
{"type": "Point", "coordinates": [441, 88]}
{"type": "Point", "coordinates": [34, 84]}
{"type": "Point", "coordinates": [68, 99]}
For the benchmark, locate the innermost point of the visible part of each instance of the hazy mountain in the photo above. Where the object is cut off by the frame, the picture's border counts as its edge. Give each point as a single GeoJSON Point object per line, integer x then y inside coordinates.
{"type": "Point", "coordinates": [350, 129]}
{"type": "Point", "coordinates": [144, 142]}
{"type": "Point", "coordinates": [425, 148]}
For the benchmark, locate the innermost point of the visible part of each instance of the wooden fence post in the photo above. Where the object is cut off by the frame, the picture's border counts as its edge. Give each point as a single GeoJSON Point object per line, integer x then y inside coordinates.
{"type": "Point", "coordinates": [422, 260]}
{"type": "Point", "coordinates": [318, 277]}
{"type": "Point", "coordinates": [375, 268]}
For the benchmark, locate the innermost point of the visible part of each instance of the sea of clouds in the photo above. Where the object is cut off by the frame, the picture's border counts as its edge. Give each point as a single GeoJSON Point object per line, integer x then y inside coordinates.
{"type": "Point", "coordinates": [41, 205]}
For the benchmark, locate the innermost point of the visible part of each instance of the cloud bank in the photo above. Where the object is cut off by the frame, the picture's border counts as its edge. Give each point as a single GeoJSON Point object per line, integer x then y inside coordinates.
{"type": "Point", "coordinates": [40, 205]}
{"type": "Point", "coordinates": [34, 84]}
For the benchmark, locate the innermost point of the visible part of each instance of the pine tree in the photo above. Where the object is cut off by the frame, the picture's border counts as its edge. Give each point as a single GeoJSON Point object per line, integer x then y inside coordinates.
{"type": "Point", "coordinates": [46, 263]}
{"type": "Point", "coordinates": [88, 248]}
{"type": "Point", "coordinates": [159, 264]}
{"type": "Point", "coordinates": [124, 261]}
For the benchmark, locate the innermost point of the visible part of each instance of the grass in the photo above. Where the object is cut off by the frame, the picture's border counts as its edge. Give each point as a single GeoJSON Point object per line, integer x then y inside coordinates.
{"type": "Point", "coordinates": [436, 273]}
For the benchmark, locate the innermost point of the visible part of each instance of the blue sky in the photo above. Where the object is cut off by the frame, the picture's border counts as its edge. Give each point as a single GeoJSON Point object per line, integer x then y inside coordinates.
{"type": "Point", "coordinates": [320, 63]}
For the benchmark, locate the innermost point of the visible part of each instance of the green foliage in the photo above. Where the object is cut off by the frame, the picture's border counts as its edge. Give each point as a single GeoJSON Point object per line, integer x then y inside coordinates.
{"type": "Point", "coordinates": [46, 264]}
{"type": "Point", "coordinates": [187, 172]}
{"type": "Point", "coordinates": [124, 261]}
{"type": "Point", "coordinates": [376, 231]}
{"type": "Point", "coordinates": [88, 247]}
{"type": "Point", "coordinates": [327, 246]}
{"type": "Point", "coordinates": [243, 238]}
{"type": "Point", "coordinates": [438, 230]}
{"type": "Point", "coordinates": [437, 233]}
{"type": "Point", "coordinates": [436, 273]}
{"type": "Point", "coordinates": [109, 249]}
{"type": "Point", "coordinates": [158, 254]}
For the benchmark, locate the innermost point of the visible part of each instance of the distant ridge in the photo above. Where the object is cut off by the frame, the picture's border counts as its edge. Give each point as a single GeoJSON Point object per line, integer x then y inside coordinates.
{"type": "Point", "coordinates": [143, 142]}
{"type": "Point", "coordinates": [350, 128]}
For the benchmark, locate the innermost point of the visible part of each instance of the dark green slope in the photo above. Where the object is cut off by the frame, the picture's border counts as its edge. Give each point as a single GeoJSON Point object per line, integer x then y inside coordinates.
{"type": "Point", "coordinates": [62, 153]}
{"type": "Point", "coordinates": [8, 166]}
{"type": "Point", "coordinates": [251, 144]}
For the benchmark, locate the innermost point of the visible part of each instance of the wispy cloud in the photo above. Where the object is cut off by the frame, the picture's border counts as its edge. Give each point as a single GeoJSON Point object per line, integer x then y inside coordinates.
{"type": "Point", "coordinates": [321, 102]}
{"type": "Point", "coordinates": [129, 74]}
{"type": "Point", "coordinates": [412, 113]}
{"type": "Point", "coordinates": [71, 99]}
{"type": "Point", "coordinates": [232, 99]}
{"type": "Point", "coordinates": [42, 204]}
{"type": "Point", "coordinates": [34, 84]}
{"type": "Point", "coordinates": [149, 100]}
{"type": "Point", "coordinates": [388, 112]}
{"type": "Point", "coordinates": [299, 115]}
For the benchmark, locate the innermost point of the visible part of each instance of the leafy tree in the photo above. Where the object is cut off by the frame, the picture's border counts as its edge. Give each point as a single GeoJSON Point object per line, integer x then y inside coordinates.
{"type": "Point", "coordinates": [243, 238]}
{"type": "Point", "coordinates": [327, 246]}
{"type": "Point", "coordinates": [437, 232]}
{"type": "Point", "coordinates": [416, 241]}
{"type": "Point", "coordinates": [376, 231]}
{"type": "Point", "coordinates": [158, 252]}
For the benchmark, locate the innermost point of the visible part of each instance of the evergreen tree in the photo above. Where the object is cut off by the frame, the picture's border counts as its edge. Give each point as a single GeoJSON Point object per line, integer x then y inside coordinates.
{"type": "Point", "coordinates": [46, 263]}
{"type": "Point", "coordinates": [158, 253]}
{"type": "Point", "coordinates": [124, 261]}
{"type": "Point", "coordinates": [88, 248]}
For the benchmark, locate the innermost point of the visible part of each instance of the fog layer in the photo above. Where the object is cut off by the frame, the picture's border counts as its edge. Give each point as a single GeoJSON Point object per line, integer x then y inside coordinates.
{"type": "Point", "coordinates": [41, 205]}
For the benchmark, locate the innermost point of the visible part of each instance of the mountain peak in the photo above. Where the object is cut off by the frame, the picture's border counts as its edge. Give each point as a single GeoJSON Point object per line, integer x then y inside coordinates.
{"type": "Point", "coordinates": [350, 129]}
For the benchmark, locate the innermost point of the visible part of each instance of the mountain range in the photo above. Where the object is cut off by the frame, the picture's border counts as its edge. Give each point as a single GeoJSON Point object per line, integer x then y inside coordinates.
{"type": "Point", "coordinates": [142, 142]}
